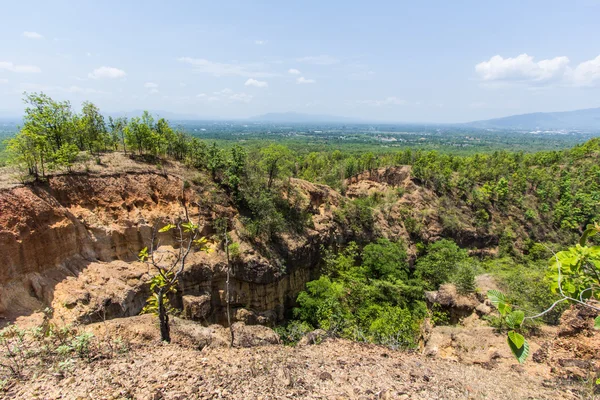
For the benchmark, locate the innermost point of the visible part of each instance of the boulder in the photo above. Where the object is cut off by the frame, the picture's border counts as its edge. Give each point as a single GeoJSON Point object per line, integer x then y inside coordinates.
{"type": "Point", "coordinates": [197, 307]}
{"type": "Point", "coordinates": [253, 335]}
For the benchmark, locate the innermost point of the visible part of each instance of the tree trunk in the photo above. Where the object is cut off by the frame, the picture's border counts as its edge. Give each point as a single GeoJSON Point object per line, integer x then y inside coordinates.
{"type": "Point", "coordinates": [163, 317]}
{"type": "Point", "coordinates": [227, 287]}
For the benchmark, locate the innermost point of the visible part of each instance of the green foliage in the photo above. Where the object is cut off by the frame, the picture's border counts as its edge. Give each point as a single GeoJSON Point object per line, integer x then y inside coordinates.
{"type": "Point", "coordinates": [464, 278]}
{"type": "Point", "coordinates": [365, 295]}
{"type": "Point", "coordinates": [514, 320]}
{"type": "Point", "coordinates": [385, 259]}
{"type": "Point", "coordinates": [440, 263]}
{"type": "Point", "coordinates": [234, 250]}
{"type": "Point", "coordinates": [161, 285]}
{"type": "Point", "coordinates": [292, 332]}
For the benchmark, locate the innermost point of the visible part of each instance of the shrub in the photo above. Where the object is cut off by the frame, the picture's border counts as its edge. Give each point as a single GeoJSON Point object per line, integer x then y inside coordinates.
{"type": "Point", "coordinates": [464, 278]}
{"type": "Point", "coordinates": [439, 264]}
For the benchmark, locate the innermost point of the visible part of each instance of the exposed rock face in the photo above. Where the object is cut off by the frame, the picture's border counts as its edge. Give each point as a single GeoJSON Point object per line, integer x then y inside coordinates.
{"type": "Point", "coordinates": [73, 243]}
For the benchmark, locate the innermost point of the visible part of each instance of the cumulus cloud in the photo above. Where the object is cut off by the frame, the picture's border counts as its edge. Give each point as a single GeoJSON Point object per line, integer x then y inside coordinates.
{"type": "Point", "coordinates": [256, 83]}
{"type": "Point", "coordinates": [294, 71]}
{"type": "Point", "coordinates": [388, 101]}
{"type": "Point", "coordinates": [260, 42]}
{"type": "Point", "coordinates": [585, 74]}
{"type": "Point", "coordinates": [302, 80]}
{"type": "Point", "coordinates": [150, 85]}
{"type": "Point", "coordinates": [319, 60]}
{"type": "Point", "coordinates": [251, 70]}
{"type": "Point", "coordinates": [107, 73]}
{"type": "Point", "coordinates": [25, 69]}
{"type": "Point", "coordinates": [524, 70]}
{"type": "Point", "coordinates": [32, 35]}
{"type": "Point", "coordinates": [3, 81]}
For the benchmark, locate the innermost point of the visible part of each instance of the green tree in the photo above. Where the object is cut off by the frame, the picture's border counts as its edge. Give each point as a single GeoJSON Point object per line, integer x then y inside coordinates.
{"type": "Point", "coordinates": [440, 263]}
{"type": "Point", "coordinates": [93, 129]}
{"type": "Point", "coordinates": [275, 159]}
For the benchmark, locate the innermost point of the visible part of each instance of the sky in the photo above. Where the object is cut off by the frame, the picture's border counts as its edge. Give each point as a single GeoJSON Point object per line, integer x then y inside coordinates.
{"type": "Point", "coordinates": [396, 61]}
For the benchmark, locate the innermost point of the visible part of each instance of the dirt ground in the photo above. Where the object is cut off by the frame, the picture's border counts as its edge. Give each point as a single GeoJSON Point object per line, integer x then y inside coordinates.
{"type": "Point", "coordinates": [334, 369]}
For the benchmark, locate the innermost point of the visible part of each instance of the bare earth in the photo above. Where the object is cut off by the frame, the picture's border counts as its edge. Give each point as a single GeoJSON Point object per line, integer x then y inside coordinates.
{"type": "Point", "coordinates": [334, 369]}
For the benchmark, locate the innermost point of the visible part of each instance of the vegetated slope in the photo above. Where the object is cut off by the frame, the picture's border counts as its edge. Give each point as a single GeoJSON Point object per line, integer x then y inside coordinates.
{"type": "Point", "coordinates": [586, 119]}
{"type": "Point", "coordinates": [72, 243]}
{"type": "Point", "coordinates": [50, 231]}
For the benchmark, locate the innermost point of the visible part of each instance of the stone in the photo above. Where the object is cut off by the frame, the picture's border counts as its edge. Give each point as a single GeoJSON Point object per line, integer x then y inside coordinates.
{"type": "Point", "coordinates": [197, 307]}
{"type": "Point", "coordinates": [314, 337]}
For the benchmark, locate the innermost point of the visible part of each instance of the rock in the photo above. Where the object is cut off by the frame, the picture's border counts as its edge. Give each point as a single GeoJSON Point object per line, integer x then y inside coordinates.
{"type": "Point", "coordinates": [245, 316]}
{"type": "Point", "coordinates": [314, 337]}
{"type": "Point", "coordinates": [541, 355]}
{"type": "Point", "coordinates": [253, 335]}
{"type": "Point", "coordinates": [483, 309]}
{"type": "Point", "coordinates": [577, 319]}
{"type": "Point", "coordinates": [197, 307]}
{"type": "Point", "coordinates": [325, 376]}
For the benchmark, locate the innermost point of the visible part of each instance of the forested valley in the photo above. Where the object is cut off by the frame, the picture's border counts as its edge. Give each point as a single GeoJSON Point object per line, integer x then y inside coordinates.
{"type": "Point", "coordinates": [498, 213]}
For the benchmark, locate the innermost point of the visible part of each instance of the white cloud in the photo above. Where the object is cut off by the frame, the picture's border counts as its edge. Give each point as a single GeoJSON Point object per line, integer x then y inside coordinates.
{"type": "Point", "coordinates": [107, 73]}
{"type": "Point", "coordinates": [388, 101]}
{"type": "Point", "coordinates": [26, 69]}
{"type": "Point", "coordinates": [294, 71]}
{"type": "Point", "coordinates": [256, 83]}
{"type": "Point", "coordinates": [226, 96]}
{"type": "Point", "coordinates": [150, 85]}
{"type": "Point", "coordinates": [302, 80]}
{"type": "Point", "coordinates": [585, 74]}
{"type": "Point", "coordinates": [253, 70]}
{"type": "Point", "coordinates": [499, 71]}
{"type": "Point", "coordinates": [522, 69]}
{"type": "Point", "coordinates": [260, 42]}
{"type": "Point", "coordinates": [32, 35]}
{"type": "Point", "coordinates": [319, 60]}
{"type": "Point", "coordinates": [3, 81]}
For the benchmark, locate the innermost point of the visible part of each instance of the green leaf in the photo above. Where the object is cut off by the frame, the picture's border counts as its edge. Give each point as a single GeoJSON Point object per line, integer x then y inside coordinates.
{"type": "Point", "coordinates": [166, 228]}
{"type": "Point", "coordinates": [520, 353]}
{"type": "Point", "coordinates": [597, 322]}
{"type": "Point", "coordinates": [496, 297]}
{"type": "Point", "coordinates": [504, 309]}
{"type": "Point", "coordinates": [516, 338]}
{"type": "Point", "coordinates": [515, 319]}
{"type": "Point", "coordinates": [143, 254]}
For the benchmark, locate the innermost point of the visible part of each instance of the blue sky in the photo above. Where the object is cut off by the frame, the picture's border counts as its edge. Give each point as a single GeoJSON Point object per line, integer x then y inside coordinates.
{"type": "Point", "coordinates": [426, 61]}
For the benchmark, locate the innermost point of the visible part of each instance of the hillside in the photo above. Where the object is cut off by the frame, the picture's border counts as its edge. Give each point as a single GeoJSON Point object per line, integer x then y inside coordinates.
{"type": "Point", "coordinates": [588, 120]}
{"type": "Point", "coordinates": [71, 243]}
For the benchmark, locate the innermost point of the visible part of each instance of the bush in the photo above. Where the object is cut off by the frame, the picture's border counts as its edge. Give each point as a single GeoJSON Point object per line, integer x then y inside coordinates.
{"type": "Point", "coordinates": [291, 333]}
{"type": "Point", "coordinates": [440, 263]}
{"type": "Point", "coordinates": [464, 278]}
{"type": "Point", "coordinates": [375, 300]}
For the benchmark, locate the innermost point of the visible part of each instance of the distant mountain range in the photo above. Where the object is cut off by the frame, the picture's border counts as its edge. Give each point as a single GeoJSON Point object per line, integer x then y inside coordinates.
{"type": "Point", "coordinates": [588, 119]}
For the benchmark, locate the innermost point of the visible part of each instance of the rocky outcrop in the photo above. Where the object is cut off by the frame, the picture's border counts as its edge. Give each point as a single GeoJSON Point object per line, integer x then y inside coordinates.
{"type": "Point", "coordinates": [73, 242]}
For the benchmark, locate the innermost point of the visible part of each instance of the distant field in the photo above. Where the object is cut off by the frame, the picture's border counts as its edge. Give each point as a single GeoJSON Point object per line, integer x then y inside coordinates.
{"type": "Point", "coordinates": [381, 138]}
{"type": "Point", "coordinates": [358, 138]}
